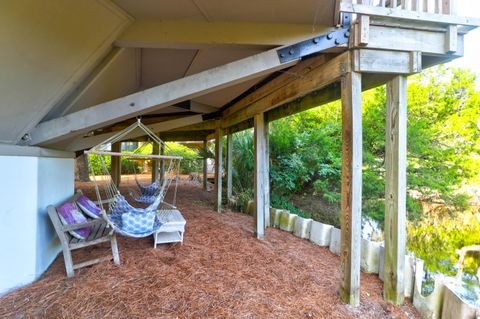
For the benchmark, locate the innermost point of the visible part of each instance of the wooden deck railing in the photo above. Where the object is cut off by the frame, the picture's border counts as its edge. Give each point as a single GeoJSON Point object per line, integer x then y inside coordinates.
{"type": "Point", "coordinates": [432, 6]}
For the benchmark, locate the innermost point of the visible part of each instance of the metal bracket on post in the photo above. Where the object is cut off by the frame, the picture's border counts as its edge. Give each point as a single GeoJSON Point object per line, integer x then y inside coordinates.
{"type": "Point", "coordinates": [317, 44]}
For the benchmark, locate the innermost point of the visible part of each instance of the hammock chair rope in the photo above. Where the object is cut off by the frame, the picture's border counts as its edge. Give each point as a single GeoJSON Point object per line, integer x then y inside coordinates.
{"type": "Point", "coordinates": [117, 203]}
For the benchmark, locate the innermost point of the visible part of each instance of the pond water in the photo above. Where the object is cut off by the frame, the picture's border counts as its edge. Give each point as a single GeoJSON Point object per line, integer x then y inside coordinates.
{"type": "Point", "coordinates": [469, 291]}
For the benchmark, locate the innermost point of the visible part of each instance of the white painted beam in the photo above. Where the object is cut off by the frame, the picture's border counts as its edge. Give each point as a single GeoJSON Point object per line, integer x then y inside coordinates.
{"type": "Point", "coordinates": [82, 143]}
{"type": "Point", "coordinates": [185, 34]}
{"type": "Point", "coordinates": [157, 97]}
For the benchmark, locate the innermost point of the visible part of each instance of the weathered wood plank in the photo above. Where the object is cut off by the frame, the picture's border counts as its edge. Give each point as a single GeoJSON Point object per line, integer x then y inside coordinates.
{"type": "Point", "coordinates": [218, 168]}
{"type": "Point", "coordinates": [266, 175]}
{"type": "Point", "coordinates": [397, 39]}
{"type": "Point", "coordinates": [293, 74]}
{"type": "Point", "coordinates": [381, 61]}
{"type": "Point", "coordinates": [81, 143]}
{"type": "Point", "coordinates": [155, 164]}
{"type": "Point", "coordinates": [351, 187]}
{"type": "Point", "coordinates": [229, 166]}
{"type": "Point", "coordinates": [260, 144]}
{"type": "Point", "coordinates": [205, 166]}
{"type": "Point", "coordinates": [116, 163]}
{"type": "Point", "coordinates": [395, 190]}
{"type": "Point", "coordinates": [318, 77]}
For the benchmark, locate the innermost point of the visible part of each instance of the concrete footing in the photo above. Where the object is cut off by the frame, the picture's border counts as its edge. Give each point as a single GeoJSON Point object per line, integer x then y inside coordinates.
{"type": "Point", "coordinates": [302, 227]}
{"type": "Point", "coordinates": [370, 256]}
{"type": "Point", "coordinates": [287, 221]}
{"type": "Point", "coordinates": [320, 233]}
{"type": "Point", "coordinates": [335, 236]}
{"type": "Point", "coordinates": [275, 217]}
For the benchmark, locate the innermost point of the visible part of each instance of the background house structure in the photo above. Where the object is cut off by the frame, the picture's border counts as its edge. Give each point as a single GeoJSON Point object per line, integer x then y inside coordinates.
{"type": "Point", "coordinates": [76, 72]}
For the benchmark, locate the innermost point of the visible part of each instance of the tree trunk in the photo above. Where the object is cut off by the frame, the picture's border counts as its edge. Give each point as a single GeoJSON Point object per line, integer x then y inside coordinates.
{"type": "Point", "coordinates": [81, 169]}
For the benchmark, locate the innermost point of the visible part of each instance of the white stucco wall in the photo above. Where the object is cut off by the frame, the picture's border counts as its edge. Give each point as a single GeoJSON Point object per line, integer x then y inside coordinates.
{"type": "Point", "coordinates": [28, 243]}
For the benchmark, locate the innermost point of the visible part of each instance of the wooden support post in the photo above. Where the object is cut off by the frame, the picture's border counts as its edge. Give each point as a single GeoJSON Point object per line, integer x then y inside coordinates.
{"type": "Point", "coordinates": [395, 190]}
{"type": "Point", "coordinates": [116, 164]}
{"type": "Point", "coordinates": [155, 151]}
{"type": "Point", "coordinates": [351, 87]}
{"type": "Point", "coordinates": [266, 175]}
{"type": "Point", "coordinates": [261, 167]}
{"type": "Point", "coordinates": [218, 169]}
{"type": "Point", "coordinates": [205, 165]}
{"type": "Point", "coordinates": [162, 162]}
{"type": "Point", "coordinates": [229, 167]}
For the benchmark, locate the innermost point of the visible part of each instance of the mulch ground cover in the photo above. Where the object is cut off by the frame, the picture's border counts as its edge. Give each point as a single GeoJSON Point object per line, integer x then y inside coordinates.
{"type": "Point", "coordinates": [220, 271]}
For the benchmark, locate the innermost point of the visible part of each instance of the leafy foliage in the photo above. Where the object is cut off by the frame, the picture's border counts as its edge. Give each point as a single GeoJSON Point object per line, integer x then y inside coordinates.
{"type": "Point", "coordinates": [443, 154]}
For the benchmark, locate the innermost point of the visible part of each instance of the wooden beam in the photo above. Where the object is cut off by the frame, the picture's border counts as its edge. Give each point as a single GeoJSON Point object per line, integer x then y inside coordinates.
{"type": "Point", "coordinates": [400, 14]}
{"type": "Point", "coordinates": [162, 162]}
{"type": "Point", "coordinates": [385, 37]}
{"type": "Point", "coordinates": [187, 34]}
{"type": "Point", "coordinates": [218, 169]}
{"type": "Point", "coordinates": [318, 77]}
{"type": "Point", "coordinates": [260, 144]}
{"type": "Point", "coordinates": [187, 136]}
{"type": "Point", "coordinates": [395, 190]}
{"type": "Point", "coordinates": [158, 97]}
{"type": "Point", "coordinates": [81, 143]}
{"type": "Point", "coordinates": [155, 151]}
{"type": "Point", "coordinates": [116, 164]}
{"type": "Point", "coordinates": [381, 61]}
{"type": "Point", "coordinates": [205, 165]}
{"type": "Point", "coordinates": [293, 74]}
{"type": "Point", "coordinates": [202, 108]}
{"type": "Point", "coordinates": [229, 166]}
{"type": "Point", "coordinates": [266, 174]}
{"type": "Point", "coordinates": [351, 188]}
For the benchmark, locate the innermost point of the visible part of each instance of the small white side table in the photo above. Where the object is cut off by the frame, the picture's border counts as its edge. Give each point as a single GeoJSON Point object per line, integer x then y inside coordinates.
{"type": "Point", "coordinates": [172, 229]}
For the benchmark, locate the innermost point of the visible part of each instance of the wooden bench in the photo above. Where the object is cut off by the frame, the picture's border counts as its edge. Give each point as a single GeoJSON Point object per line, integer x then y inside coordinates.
{"type": "Point", "coordinates": [100, 233]}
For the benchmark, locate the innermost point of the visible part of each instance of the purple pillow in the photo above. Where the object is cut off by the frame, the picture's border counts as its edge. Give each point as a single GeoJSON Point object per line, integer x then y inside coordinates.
{"type": "Point", "coordinates": [89, 207]}
{"type": "Point", "coordinates": [69, 215]}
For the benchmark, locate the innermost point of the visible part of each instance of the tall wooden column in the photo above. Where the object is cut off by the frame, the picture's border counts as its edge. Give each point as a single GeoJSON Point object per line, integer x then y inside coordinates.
{"type": "Point", "coordinates": [395, 190]}
{"type": "Point", "coordinates": [116, 164]}
{"type": "Point", "coordinates": [266, 175]}
{"type": "Point", "coordinates": [229, 167]}
{"type": "Point", "coordinates": [351, 187]}
{"type": "Point", "coordinates": [261, 201]}
{"type": "Point", "coordinates": [205, 165]}
{"type": "Point", "coordinates": [155, 151]}
{"type": "Point", "coordinates": [218, 169]}
{"type": "Point", "coordinates": [162, 162]}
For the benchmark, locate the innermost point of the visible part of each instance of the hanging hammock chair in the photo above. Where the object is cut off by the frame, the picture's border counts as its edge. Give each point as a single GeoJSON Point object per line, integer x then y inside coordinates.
{"type": "Point", "coordinates": [147, 193]}
{"type": "Point", "coordinates": [118, 212]}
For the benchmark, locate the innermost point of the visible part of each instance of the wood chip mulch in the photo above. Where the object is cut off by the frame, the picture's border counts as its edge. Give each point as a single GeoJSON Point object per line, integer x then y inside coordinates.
{"type": "Point", "coordinates": [220, 271]}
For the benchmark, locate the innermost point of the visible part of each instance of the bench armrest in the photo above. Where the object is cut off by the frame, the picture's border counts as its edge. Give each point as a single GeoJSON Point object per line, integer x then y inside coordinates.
{"type": "Point", "coordinates": [66, 228]}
